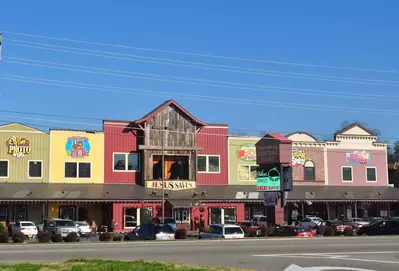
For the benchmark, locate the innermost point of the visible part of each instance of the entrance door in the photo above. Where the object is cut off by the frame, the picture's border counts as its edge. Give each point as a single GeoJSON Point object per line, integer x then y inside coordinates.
{"type": "Point", "coordinates": [68, 212]}
{"type": "Point", "coordinates": [215, 215]}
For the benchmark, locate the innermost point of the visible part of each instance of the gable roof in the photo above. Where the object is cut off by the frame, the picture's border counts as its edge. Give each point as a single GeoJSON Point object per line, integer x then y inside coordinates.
{"type": "Point", "coordinates": [279, 137]}
{"type": "Point", "coordinates": [28, 128]}
{"type": "Point", "coordinates": [165, 105]}
{"type": "Point", "coordinates": [304, 133]}
{"type": "Point", "coordinates": [353, 125]}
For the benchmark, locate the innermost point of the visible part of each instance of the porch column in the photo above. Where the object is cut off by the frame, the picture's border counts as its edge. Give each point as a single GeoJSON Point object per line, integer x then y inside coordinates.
{"type": "Point", "coordinates": [138, 216]}
{"type": "Point", "coordinates": [44, 215]}
{"type": "Point", "coordinates": [222, 214]}
{"type": "Point", "coordinates": [328, 210]}
{"type": "Point", "coordinates": [389, 209]}
{"type": "Point", "coordinates": [302, 210]}
{"type": "Point", "coordinates": [355, 209]}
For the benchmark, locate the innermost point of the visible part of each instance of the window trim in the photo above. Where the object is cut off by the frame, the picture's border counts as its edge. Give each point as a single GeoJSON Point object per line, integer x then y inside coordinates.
{"type": "Point", "coordinates": [375, 168]}
{"type": "Point", "coordinates": [41, 169]}
{"type": "Point", "coordinates": [126, 164]}
{"type": "Point", "coordinates": [314, 170]}
{"type": "Point", "coordinates": [249, 171]}
{"type": "Point", "coordinates": [77, 170]}
{"type": "Point", "coordinates": [8, 168]}
{"type": "Point", "coordinates": [207, 164]}
{"type": "Point", "coordinates": [342, 174]}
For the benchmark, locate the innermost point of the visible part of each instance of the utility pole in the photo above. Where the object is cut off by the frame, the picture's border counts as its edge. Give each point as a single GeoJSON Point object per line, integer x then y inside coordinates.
{"type": "Point", "coordinates": [163, 176]}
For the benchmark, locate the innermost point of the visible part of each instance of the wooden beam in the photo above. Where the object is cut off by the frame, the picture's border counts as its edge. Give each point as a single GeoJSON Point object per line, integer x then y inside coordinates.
{"type": "Point", "coordinates": [172, 148]}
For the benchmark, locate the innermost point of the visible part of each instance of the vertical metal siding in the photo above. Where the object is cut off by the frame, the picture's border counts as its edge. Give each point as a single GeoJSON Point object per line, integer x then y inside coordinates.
{"type": "Point", "coordinates": [116, 140]}
{"type": "Point", "coordinates": [214, 142]}
{"type": "Point", "coordinates": [18, 167]}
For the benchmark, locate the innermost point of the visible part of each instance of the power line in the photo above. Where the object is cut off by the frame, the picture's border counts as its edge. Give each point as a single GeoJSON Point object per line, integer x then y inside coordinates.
{"type": "Point", "coordinates": [112, 72]}
{"type": "Point", "coordinates": [194, 97]}
{"type": "Point", "coordinates": [215, 67]}
{"type": "Point", "coordinates": [200, 54]}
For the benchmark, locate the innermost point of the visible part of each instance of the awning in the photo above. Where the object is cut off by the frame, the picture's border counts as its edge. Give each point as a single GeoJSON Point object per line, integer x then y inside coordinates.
{"type": "Point", "coordinates": [176, 203]}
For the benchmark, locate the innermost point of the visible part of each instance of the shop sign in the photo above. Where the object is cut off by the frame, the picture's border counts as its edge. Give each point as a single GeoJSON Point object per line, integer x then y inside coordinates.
{"type": "Point", "coordinates": [171, 185]}
{"type": "Point", "coordinates": [247, 152]}
{"type": "Point", "coordinates": [298, 157]}
{"type": "Point", "coordinates": [358, 157]}
{"type": "Point", "coordinates": [268, 181]}
{"type": "Point", "coordinates": [77, 146]}
{"type": "Point", "coordinates": [270, 198]}
{"type": "Point", "coordinates": [18, 146]}
{"type": "Point", "coordinates": [268, 154]}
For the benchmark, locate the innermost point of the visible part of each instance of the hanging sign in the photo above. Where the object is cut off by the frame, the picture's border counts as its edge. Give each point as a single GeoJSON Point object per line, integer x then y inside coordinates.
{"type": "Point", "coordinates": [268, 181]}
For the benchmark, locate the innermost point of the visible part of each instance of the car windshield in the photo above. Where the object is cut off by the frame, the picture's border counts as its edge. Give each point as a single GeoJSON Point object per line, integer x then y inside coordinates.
{"type": "Point", "coordinates": [27, 224]}
{"type": "Point", "coordinates": [64, 223]}
{"type": "Point", "coordinates": [336, 223]}
{"type": "Point", "coordinates": [170, 220]}
{"type": "Point", "coordinates": [163, 229]}
{"type": "Point", "coordinates": [232, 230]}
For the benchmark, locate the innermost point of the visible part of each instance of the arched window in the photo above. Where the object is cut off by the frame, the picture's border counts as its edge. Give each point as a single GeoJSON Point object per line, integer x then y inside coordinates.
{"type": "Point", "coordinates": [309, 171]}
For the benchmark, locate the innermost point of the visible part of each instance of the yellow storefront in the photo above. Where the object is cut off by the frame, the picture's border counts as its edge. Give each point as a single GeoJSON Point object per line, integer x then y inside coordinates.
{"type": "Point", "coordinates": [76, 156]}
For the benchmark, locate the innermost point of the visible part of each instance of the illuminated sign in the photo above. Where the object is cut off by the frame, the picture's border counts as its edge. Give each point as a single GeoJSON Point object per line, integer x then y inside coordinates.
{"type": "Point", "coordinates": [171, 185]}
{"type": "Point", "coordinates": [18, 146]}
{"type": "Point", "coordinates": [247, 152]}
{"type": "Point", "coordinates": [268, 181]}
{"type": "Point", "coordinates": [77, 146]}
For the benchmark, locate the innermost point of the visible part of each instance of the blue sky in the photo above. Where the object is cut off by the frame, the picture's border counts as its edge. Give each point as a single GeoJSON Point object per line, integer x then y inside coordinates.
{"type": "Point", "coordinates": [358, 34]}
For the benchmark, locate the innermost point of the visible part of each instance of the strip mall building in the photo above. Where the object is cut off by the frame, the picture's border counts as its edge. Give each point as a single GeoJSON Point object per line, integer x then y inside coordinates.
{"type": "Point", "coordinates": [115, 174]}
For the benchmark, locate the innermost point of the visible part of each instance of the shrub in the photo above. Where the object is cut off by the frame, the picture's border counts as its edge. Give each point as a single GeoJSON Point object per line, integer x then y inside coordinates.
{"type": "Point", "coordinates": [105, 237]}
{"type": "Point", "coordinates": [72, 237]}
{"type": "Point", "coordinates": [272, 230]}
{"type": "Point", "coordinates": [321, 230]}
{"type": "Point", "coordinates": [18, 237]}
{"type": "Point", "coordinates": [349, 232]}
{"type": "Point", "coordinates": [181, 234]}
{"type": "Point", "coordinates": [117, 238]}
{"type": "Point", "coordinates": [56, 238]}
{"type": "Point", "coordinates": [329, 231]}
{"type": "Point", "coordinates": [264, 231]}
{"type": "Point", "coordinates": [44, 237]}
{"type": "Point", "coordinates": [3, 233]}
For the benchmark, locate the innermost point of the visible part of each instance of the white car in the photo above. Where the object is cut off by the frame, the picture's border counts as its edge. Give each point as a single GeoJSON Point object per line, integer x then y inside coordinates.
{"type": "Point", "coordinates": [223, 231]}
{"type": "Point", "coordinates": [261, 220]}
{"type": "Point", "coordinates": [310, 222]}
{"type": "Point", "coordinates": [84, 228]}
{"type": "Point", "coordinates": [28, 228]}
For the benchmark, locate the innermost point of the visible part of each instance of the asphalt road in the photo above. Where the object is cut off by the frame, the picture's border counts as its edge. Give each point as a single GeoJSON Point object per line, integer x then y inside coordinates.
{"type": "Point", "coordinates": [364, 253]}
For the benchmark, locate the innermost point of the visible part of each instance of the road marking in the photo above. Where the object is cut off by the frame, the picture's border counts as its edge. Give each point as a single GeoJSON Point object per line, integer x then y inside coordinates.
{"type": "Point", "coordinates": [46, 251]}
{"type": "Point", "coordinates": [294, 267]}
{"type": "Point", "coordinates": [327, 253]}
{"type": "Point", "coordinates": [341, 258]}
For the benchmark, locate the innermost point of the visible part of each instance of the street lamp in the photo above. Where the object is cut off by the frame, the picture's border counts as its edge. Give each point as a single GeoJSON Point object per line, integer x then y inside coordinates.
{"type": "Point", "coordinates": [163, 129]}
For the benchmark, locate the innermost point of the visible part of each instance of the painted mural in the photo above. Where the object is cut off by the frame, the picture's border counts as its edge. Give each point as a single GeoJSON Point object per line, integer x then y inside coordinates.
{"type": "Point", "coordinates": [77, 146]}
{"type": "Point", "coordinates": [18, 146]}
{"type": "Point", "coordinates": [247, 152]}
{"type": "Point", "coordinates": [298, 157]}
{"type": "Point", "coordinates": [358, 157]}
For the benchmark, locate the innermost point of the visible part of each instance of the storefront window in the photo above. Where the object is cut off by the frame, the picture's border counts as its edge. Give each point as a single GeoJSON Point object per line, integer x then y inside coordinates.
{"type": "Point", "coordinates": [130, 217]}
{"type": "Point", "coordinates": [230, 215]}
{"type": "Point", "coordinates": [215, 215]}
{"type": "Point", "coordinates": [68, 212]}
{"type": "Point", "coordinates": [145, 215]}
{"type": "Point", "coordinates": [20, 213]}
{"type": "Point", "coordinates": [181, 214]}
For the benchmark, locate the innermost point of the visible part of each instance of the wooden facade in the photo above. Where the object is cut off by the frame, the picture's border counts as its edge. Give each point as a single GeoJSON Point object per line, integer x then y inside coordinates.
{"type": "Point", "coordinates": [173, 131]}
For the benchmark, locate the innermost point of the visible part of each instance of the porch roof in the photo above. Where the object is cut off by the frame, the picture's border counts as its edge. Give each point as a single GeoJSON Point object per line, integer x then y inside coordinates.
{"type": "Point", "coordinates": [54, 192]}
{"type": "Point", "coordinates": [343, 193]}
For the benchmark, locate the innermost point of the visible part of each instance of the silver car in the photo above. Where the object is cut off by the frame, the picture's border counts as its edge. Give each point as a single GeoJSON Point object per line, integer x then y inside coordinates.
{"type": "Point", "coordinates": [60, 226]}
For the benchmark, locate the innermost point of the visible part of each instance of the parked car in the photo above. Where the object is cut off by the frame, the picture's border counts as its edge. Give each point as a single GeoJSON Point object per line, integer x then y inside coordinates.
{"type": "Point", "coordinates": [251, 226]}
{"type": "Point", "coordinates": [84, 228]}
{"type": "Point", "coordinates": [59, 226]}
{"type": "Point", "coordinates": [151, 231]}
{"type": "Point", "coordinates": [294, 231]}
{"type": "Point", "coordinates": [339, 226]}
{"type": "Point", "coordinates": [223, 231]}
{"type": "Point", "coordinates": [310, 222]}
{"type": "Point", "coordinates": [28, 228]}
{"type": "Point", "coordinates": [356, 223]}
{"type": "Point", "coordinates": [261, 220]}
{"type": "Point", "coordinates": [381, 227]}
{"type": "Point", "coordinates": [167, 220]}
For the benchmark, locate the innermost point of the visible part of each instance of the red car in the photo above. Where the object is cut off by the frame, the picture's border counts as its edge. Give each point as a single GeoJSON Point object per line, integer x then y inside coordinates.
{"type": "Point", "coordinates": [338, 225]}
{"type": "Point", "coordinates": [294, 231]}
